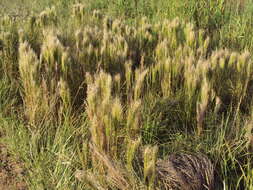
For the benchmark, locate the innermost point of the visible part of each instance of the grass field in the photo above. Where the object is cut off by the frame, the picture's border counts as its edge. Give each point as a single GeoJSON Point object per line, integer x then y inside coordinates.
{"type": "Point", "coordinates": [93, 94]}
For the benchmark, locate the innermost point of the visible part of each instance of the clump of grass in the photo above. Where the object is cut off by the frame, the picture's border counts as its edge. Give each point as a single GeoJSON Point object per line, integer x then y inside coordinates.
{"type": "Point", "coordinates": [186, 171]}
{"type": "Point", "coordinates": [108, 122]}
{"type": "Point", "coordinates": [9, 48]}
{"type": "Point", "coordinates": [29, 68]}
{"type": "Point", "coordinates": [41, 93]}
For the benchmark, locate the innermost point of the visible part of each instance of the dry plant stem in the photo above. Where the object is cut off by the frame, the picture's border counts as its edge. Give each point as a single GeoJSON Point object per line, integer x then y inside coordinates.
{"type": "Point", "coordinates": [114, 171]}
{"type": "Point", "coordinates": [239, 102]}
{"type": "Point", "coordinates": [90, 178]}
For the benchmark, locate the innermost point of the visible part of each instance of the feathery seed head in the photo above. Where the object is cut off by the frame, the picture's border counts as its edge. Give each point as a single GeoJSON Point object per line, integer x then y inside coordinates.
{"type": "Point", "coordinates": [150, 158]}
{"type": "Point", "coordinates": [132, 148]}
{"type": "Point", "coordinates": [133, 119]}
{"type": "Point", "coordinates": [97, 14]}
{"type": "Point", "coordinates": [78, 10]}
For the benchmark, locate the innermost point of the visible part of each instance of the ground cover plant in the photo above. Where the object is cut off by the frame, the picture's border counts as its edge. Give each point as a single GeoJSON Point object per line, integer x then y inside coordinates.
{"type": "Point", "coordinates": [100, 96]}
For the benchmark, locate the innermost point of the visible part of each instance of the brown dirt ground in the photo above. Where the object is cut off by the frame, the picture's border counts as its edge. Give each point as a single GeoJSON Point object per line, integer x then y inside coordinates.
{"type": "Point", "coordinates": [11, 172]}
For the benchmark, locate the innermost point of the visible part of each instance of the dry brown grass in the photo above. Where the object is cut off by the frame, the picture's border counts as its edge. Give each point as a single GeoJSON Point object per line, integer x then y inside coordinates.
{"type": "Point", "coordinates": [239, 5]}
{"type": "Point", "coordinates": [185, 172]}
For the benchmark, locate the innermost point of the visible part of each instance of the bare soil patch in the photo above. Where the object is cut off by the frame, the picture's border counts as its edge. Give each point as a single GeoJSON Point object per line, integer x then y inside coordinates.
{"type": "Point", "coordinates": [11, 172]}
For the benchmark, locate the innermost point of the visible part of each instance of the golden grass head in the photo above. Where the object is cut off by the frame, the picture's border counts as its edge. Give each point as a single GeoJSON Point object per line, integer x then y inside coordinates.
{"type": "Point", "coordinates": [107, 23]}
{"type": "Point", "coordinates": [97, 14]}
{"type": "Point", "coordinates": [28, 68]}
{"type": "Point", "coordinates": [190, 35]}
{"type": "Point", "coordinates": [133, 119]}
{"type": "Point", "coordinates": [202, 104]}
{"type": "Point", "coordinates": [131, 151]}
{"type": "Point", "coordinates": [64, 94]}
{"type": "Point", "coordinates": [139, 82]}
{"type": "Point", "coordinates": [28, 62]}
{"type": "Point", "coordinates": [52, 49]}
{"type": "Point", "coordinates": [47, 16]}
{"type": "Point", "coordinates": [6, 20]}
{"type": "Point", "coordinates": [78, 10]}
{"type": "Point", "coordinates": [243, 61]}
{"type": "Point", "coordinates": [150, 157]}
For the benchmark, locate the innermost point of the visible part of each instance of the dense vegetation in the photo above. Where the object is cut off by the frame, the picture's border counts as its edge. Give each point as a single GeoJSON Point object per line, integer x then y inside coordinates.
{"type": "Point", "coordinates": [92, 94]}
